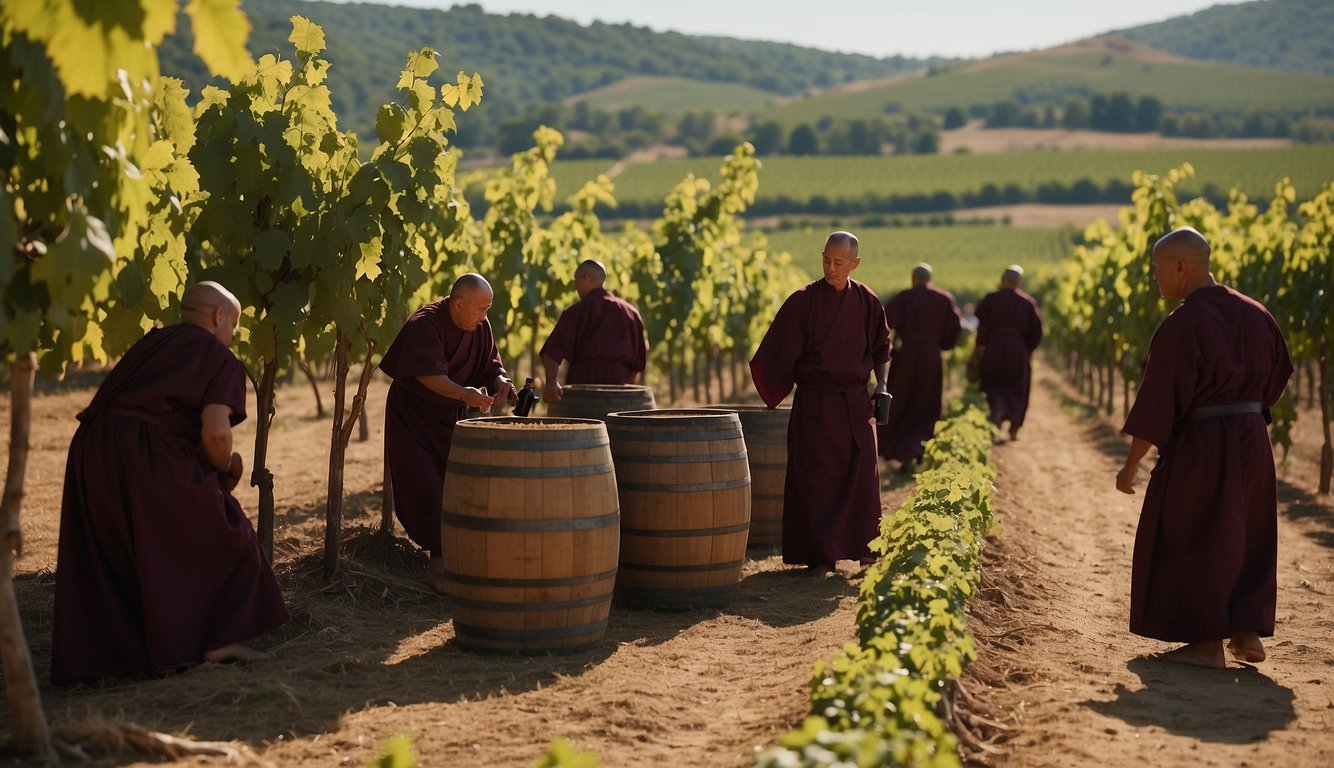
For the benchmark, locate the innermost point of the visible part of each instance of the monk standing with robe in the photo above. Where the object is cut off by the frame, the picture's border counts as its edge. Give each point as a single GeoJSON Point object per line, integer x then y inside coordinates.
{"type": "Point", "coordinates": [1206, 549]}
{"type": "Point", "coordinates": [443, 361]}
{"type": "Point", "coordinates": [826, 339]}
{"type": "Point", "coordinates": [925, 322]}
{"type": "Point", "coordinates": [601, 336]}
{"type": "Point", "coordinates": [1009, 328]}
{"type": "Point", "coordinates": [158, 567]}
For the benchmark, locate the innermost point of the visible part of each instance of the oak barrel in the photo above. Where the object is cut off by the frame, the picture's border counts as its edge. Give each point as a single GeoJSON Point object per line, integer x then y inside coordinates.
{"type": "Point", "coordinates": [530, 530]}
{"type": "Point", "coordinates": [684, 488]}
{"type": "Point", "coordinates": [765, 433]}
{"type": "Point", "coordinates": [595, 401]}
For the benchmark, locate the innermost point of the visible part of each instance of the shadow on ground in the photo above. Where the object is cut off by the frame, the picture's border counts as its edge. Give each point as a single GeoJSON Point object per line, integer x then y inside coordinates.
{"type": "Point", "coordinates": [1224, 706]}
{"type": "Point", "coordinates": [1299, 505]}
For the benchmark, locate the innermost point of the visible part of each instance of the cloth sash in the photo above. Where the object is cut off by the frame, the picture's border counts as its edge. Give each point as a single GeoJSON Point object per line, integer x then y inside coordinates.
{"type": "Point", "coordinates": [1231, 409]}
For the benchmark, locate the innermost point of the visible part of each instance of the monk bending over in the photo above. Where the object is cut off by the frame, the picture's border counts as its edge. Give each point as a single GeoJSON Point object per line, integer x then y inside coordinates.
{"type": "Point", "coordinates": [158, 566]}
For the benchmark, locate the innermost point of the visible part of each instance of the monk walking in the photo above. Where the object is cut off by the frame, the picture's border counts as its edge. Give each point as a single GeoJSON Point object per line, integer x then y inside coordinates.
{"type": "Point", "coordinates": [826, 339]}
{"type": "Point", "coordinates": [1206, 549]}
{"type": "Point", "coordinates": [925, 322]}
{"type": "Point", "coordinates": [443, 361]}
{"type": "Point", "coordinates": [1009, 328]}
{"type": "Point", "coordinates": [601, 336]}
{"type": "Point", "coordinates": [158, 567]}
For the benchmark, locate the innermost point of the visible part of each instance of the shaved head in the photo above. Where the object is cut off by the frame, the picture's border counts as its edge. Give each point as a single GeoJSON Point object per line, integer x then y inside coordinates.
{"type": "Point", "coordinates": [1184, 243]}
{"type": "Point", "coordinates": [1012, 276]}
{"type": "Point", "coordinates": [469, 301]}
{"type": "Point", "coordinates": [468, 285]}
{"type": "Point", "coordinates": [842, 238]}
{"type": "Point", "coordinates": [921, 274]}
{"type": "Point", "coordinates": [212, 307]}
{"type": "Point", "coordinates": [592, 270]}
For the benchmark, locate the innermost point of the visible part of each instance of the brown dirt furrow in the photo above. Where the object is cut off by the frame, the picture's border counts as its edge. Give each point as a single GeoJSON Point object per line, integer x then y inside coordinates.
{"type": "Point", "coordinates": [1058, 667]}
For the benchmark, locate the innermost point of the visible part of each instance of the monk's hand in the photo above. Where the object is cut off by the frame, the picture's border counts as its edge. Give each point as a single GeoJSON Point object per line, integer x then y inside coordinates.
{"type": "Point", "coordinates": [231, 476]}
{"type": "Point", "coordinates": [504, 391]}
{"type": "Point", "coordinates": [477, 397]}
{"type": "Point", "coordinates": [1125, 479]}
{"type": "Point", "coordinates": [552, 392]}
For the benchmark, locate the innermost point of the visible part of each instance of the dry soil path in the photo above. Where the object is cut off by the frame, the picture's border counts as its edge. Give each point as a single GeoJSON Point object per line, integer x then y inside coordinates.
{"type": "Point", "coordinates": [1080, 688]}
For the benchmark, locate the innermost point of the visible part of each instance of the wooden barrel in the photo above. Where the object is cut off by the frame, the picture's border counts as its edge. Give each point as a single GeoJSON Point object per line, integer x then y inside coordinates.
{"type": "Point", "coordinates": [595, 401]}
{"type": "Point", "coordinates": [765, 431]}
{"type": "Point", "coordinates": [684, 488]}
{"type": "Point", "coordinates": [530, 530]}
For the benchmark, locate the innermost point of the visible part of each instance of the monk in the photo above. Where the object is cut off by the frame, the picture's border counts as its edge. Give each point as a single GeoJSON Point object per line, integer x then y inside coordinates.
{"type": "Point", "coordinates": [158, 567]}
{"type": "Point", "coordinates": [1206, 549]}
{"type": "Point", "coordinates": [443, 361]}
{"type": "Point", "coordinates": [924, 322]}
{"type": "Point", "coordinates": [1009, 328]}
{"type": "Point", "coordinates": [827, 338]}
{"type": "Point", "coordinates": [601, 336]}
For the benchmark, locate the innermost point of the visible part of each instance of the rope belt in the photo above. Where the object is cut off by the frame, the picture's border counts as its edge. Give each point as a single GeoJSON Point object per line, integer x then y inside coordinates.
{"type": "Point", "coordinates": [1231, 409]}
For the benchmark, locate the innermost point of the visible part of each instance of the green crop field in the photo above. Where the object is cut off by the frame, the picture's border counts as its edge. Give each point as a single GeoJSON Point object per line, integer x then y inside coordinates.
{"type": "Point", "coordinates": [674, 95]}
{"type": "Point", "coordinates": [967, 259]}
{"type": "Point", "coordinates": [841, 179]}
{"type": "Point", "coordinates": [1049, 78]}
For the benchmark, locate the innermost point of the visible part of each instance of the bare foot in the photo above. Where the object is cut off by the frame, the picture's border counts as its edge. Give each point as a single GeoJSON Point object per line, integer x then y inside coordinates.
{"type": "Point", "coordinates": [435, 576]}
{"type": "Point", "coordinates": [1014, 433]}
{"type": "Point", "coordinates": [236, 652]}
{"type": "Point", "coordinates": [1208, 654]}
{"type": "Point", "coordinates": [1246, 646]}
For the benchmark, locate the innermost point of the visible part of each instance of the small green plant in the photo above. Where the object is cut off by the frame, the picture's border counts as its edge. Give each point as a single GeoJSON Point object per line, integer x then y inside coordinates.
{"type": "Point", "coordinates": [398, 753]}
{"type": "Point", "coordinates": [561, 755]}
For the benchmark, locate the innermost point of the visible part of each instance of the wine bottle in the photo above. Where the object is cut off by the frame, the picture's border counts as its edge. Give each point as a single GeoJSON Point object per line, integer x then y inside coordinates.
{"type": "Point", "coordinates": [526, 399]}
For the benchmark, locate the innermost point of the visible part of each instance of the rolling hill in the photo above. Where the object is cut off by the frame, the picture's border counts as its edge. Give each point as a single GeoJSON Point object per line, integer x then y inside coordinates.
{"type": "Point", "coordinates": [1287, 35]}
{"type": "Point", "coordinates": [1101, 65]}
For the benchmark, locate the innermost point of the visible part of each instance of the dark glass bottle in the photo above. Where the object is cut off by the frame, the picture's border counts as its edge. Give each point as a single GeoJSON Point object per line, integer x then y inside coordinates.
{"type": "Point", "coordinates": [526, 399]}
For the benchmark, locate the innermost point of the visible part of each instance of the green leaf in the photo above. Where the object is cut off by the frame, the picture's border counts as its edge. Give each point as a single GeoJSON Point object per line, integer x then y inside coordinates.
{"type": "Point", "coordinates": [391, 122]}
{"type": "Point", "coordinates": [221, 30]}
{"type": "Point", "coordinates": [271, 248]}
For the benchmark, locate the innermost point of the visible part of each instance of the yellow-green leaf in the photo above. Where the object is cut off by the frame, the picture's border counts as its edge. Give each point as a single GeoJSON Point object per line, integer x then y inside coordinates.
{"type": "Point", "coordinates": [221, 30]}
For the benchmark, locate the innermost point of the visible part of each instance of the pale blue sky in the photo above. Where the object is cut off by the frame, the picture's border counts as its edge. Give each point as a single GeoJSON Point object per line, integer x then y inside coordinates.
{"type": "Point", "coordinates": [919, 28]}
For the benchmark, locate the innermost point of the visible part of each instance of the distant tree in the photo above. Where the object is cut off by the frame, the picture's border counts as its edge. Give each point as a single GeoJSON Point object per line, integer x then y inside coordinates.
{"type": "Point", "coordinates": [803, 141]}
{"type": "Point", "coordinates": [1120, 113]}
{"type": "Point", "coordinates": [1003, 115]}
{"type": "Point", "coordinates": [1170, 126]}
{"type": "Point", "coordinates": [926, 143]}
{"type": "Point", "coordinates": [767, 138]}
{"type": "Point", "coordinates": [724, 143]}
{"type": "Point", "coordinates": [1253, 124]}
{"type": "Point", "coordinates": [1098, 112]}
{"type": "Point", "coordinates": [863, 138]}
{"type": "Point", "coordinates": [955, 118]}
{"type": "Point", "coordinates": [1148, 114]}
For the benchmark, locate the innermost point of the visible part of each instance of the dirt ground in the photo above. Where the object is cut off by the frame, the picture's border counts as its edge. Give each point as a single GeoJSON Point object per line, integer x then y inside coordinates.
{"type": "Point", "coordinates": [372, 654]}
{"type": "Point", "coordinates": [1061, 675]}
{"type": "Point", "coordinates": [1059, 681]}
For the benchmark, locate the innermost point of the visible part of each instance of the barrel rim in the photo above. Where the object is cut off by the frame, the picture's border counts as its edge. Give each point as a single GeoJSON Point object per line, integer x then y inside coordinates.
{"type": "Point", "coordinates": [672, 415]}
{"type": "Point", "coordinates": [502, 421]}
{"type": "Point", "coordinates": [740, 408]}
{"type": "Point", "coordinates": [640, 388]}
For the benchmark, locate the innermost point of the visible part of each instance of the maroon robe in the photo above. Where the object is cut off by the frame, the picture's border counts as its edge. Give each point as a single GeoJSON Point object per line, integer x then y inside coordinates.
{"type": "Point", "coordinates": [602, 337]}
{"type": "Point", "coordinates": [419, 423]}
{"type": "Point", "coordinates": [925, 321]}
{"type": "Point", "coordinates": [1207, 544]}
{"type": "Point", "coordinates": [1009, 327]}
{"type": "Point", "coordinates": [827, 343]}
{"type": "Point", "coordinates": [157, 562]}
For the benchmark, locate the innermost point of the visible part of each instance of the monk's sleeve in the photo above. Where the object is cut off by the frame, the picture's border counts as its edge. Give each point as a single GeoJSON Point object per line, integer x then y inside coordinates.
{"type": "Point", "coordinates": [1280, 370]}
{"type": "Point", "coordinates": [418, 350]}
{"type": "Point", "coordinates": [639, 356]}
{"type": "Point", "coordinates": [1168, 388]}
{"type": "Point", "coordinates": [773, 368]}
{"type": "Point", "coordinates": [560, 344]}
{"type": "Point", "coordinates": [951, 325]}
{"type": "Point", "coordinates": [894, 312]}
{"type": "Point", "coordinates": [1033, 336]}
{"type": "Point", "coordinates": [877, 331]}
{"type": "Point", "coordinates": [227, 387]}
{"type": "Point", "coordinates": [983, 315]}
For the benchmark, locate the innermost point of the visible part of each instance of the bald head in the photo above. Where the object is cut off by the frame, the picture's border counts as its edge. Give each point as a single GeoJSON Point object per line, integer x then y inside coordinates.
{"type": "Point", "coordinates": [212, 307]}
{"type": "Point", "coordinates": [1187, 244]}
{"type": "Point", "coordinates": [921, 274]}
{"type": "Point", "coordinates": [1012, 276]}
{"type": "Point", "coordinates": [842, 239]}
{"type": "Point", "coordinates": [589, 276]}
{"type": "Point", "coordinates": [1181, 263]}
{"type": "Point", "coordinates": [469, 300]}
